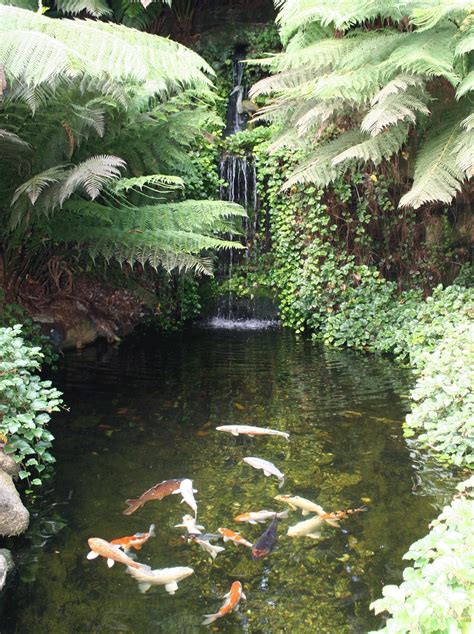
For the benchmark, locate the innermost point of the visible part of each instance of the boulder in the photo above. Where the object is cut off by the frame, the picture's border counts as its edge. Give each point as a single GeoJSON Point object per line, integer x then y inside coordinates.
{"type": "Point", "coordinates": [14, 518]}
{"type": "Point", "coordinates": [6, 565]}
{"type": "Point", "coordinates": [8, 465]}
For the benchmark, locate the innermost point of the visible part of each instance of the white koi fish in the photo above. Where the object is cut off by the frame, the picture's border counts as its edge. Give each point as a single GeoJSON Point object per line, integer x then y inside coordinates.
{"type": "Point", "coordinates": [260, 517]}
{"type": "Point", "coordinates": [268, 468]}
{"type": "Point", "coordinates": [307, 528]}
{"type": "Point", "coordinates": [112, 553]}
{"type": "Point", "coordinates": [167, 577]}
{"type": "Point", "coordinates": [250, 430]}
{"type": "Point", "coordinates": [206, 545]}
{"type": "Point", "coordinates": [296, 502]}
{"type": "Point", "coordinates": [187, 492]}
{"type": "Point", "coordinates": [189, 523]}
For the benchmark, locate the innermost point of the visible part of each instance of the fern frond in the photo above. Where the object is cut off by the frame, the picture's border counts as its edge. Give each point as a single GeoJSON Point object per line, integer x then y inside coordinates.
{"type": "Point", "coordinates": [428, 17]}
{"type": "Point", "coordinates": [376, 148]}
{"type": "Point", "coordinates": [422, 54]}
{"type": "Point", "coordinates": [437, 176]}
{"type": "Point", "coordinates": [319, 168]}
{"type": "Point", "coordinates": [90, 176]}
{"type": "Point", "coordinates": [466, 85]}
{"type": "Point", "coordinates": [10, 138]}
{"type": "Point", "coordinates": [153, 182]}
{"type": "Point", "coordinates": [34, 186]}
{"type": "Point", "coordinates": [96, 8]}
{"type": "Point", "coordinates": [463, 151]}
{"type": "Point", "coordinates": [392, 109]}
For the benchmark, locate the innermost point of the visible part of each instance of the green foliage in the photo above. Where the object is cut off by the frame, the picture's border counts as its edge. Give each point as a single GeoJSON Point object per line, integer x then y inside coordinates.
{"type": "Point", "coordinates": [26, 403]}
{"type": "Point", "coordinates": [437, 593]}
{"type": "Point", "coordinates": [398, 74]}
{"type": "Point", "coordinates": [443, 412]}
{"type": "Point", "coordinates": [106, 137]}
{"type": "Point", "coordinates": [11, 314]}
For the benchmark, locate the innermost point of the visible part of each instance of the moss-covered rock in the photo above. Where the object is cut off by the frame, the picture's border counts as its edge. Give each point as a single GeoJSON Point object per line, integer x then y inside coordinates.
{"type": "Point", "coordinates": [14, 518]}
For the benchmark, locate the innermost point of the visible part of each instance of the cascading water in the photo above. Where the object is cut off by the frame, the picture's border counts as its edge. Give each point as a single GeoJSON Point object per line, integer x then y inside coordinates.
{"type": "Point", "coordinates": [238, 171]}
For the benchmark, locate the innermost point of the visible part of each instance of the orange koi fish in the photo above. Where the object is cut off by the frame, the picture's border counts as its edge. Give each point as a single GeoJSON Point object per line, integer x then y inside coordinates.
{"type": "Point", "coordinates": [232, 536]}
{"type": "Point", "coordinates": [157, 492]}
{"type": "Point", "coordinates": [134, 541]}
{"type": "Point", "coordinates": [232, 600]}
{"type": "Point", "coordinates": [102, 548]}
{"type": "Point", "coordinates": [342, 515]}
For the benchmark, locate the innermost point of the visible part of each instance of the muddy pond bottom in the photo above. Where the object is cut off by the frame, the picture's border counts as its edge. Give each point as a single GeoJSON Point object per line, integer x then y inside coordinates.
{"type": "Point", "coordinates": [147, 411]}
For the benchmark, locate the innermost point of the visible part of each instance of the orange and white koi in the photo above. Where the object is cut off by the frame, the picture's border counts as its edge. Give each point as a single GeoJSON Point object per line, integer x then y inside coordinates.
{"type": "Point", "coordinates": [306, 506]}
{"type": "Point", "coordinates": [232, 536]}
{"type": "Point", "coordinates": [232, 600]}
{"type": "Point", "coordinates": [100, 547]}
{"type": "Point", "coordinates": [260, 517]}
{"type": "Point", "coordinates": [342, 515]}
{"type": "Point", "coordinates": [250, 430]}
{"type": "Point", "coordinates": [267, 467]}
{"type": "Point", "coordinates": [135, 541]}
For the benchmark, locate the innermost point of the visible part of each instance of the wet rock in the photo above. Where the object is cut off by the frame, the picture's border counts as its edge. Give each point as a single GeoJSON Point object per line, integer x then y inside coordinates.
{"type": "Point", "coordinates": [6, 565]}
{"type": "Point", "coordinates": [8, 465]}
{"type": "Point", "coordinates": [14, 518]}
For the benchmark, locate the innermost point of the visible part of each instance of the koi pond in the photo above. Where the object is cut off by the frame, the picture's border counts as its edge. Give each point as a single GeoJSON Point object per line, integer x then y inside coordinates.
{"type": "Point", "coordinates": [147, 411]}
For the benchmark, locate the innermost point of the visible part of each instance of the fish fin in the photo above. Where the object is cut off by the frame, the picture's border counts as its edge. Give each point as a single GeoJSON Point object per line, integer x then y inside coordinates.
{"type": "Point", "coordinates": [314, 535]}
{"type": "Point", "coordinates": [151, 530]}
{"type": "Point", "coordinates": [144, 587]}
{"type": "Point", "coordinates": [242, 596]}
{"type": "Point", "coordinates": [305, 512]}
{"type": "Point", "coordinates": [234, 433]}
{"type": "Point", "coordinates": [92, 555]}
{"type": "Point", "coordinates": [284, 514]}
{"type": "Point", "coordinates": [110, 562]}
{"type": "Point", "coordinates": [286, 437]}
{"type": "Point", "coordinates": [226, 539]}
{"type": "Point", "coordinates": [267, 473]}
{"type": "Point", "coordinates": [175, 491]}
{"type": "Point", "coordinates": [282, 483]}
{"type": "Point", "coordinates": [133, 505]}
{"type": "Point", "coordinates": [226, 595]}
{"type": "Point", "coordinates": [201, 528]}
{"type": "Point", "coordinates": [210, 618]}
{"type": "Point", "coordinates": [334, 523]}
{"type": "Point", "coordinates": [253, 522]}
{"type": "Point", "coordinates": [171, 587]}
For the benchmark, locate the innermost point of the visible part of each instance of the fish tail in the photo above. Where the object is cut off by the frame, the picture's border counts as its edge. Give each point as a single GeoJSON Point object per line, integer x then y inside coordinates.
{"type": "Point", "coordinates": [151, 530]}
{"type": "Point", "coordinates": [210, 618]}
{"type": "Point", "coordinates": [282, 483]}
{"type": "Point", "coordinates": [284, 514]}
{"type": "Point", "coordinates": [133, 505]}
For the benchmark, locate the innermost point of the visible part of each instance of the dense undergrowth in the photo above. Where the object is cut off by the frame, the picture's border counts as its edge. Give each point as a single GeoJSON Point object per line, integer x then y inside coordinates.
{"type": "Point", "coordinates": [26, 405]}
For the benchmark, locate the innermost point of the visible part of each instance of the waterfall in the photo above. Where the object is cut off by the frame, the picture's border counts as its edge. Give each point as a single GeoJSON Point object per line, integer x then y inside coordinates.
{"type": "Point", "coordinates": [239, 173]}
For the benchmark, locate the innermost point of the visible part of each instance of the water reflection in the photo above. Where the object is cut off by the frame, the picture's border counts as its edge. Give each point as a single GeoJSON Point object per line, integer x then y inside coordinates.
{"type": "Point", "coordinates": [147, 413]}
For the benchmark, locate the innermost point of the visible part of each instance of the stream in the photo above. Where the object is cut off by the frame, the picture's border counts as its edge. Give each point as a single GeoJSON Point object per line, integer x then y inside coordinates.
{"type": "Point", "coordinates": [146, 411]}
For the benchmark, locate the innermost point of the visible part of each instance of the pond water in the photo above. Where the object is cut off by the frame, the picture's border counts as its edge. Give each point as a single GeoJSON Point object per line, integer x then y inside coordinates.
{"type": "Point", "coordinates": [147, 411]}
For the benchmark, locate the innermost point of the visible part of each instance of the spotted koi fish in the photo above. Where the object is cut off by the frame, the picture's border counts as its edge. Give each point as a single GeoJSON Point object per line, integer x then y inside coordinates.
{"type": "Point", "coordinates": [135, 541]}
{"type": "Point", "coordinates": [342, 515]}
{"type": "Point", "coordinates": [232, 536]}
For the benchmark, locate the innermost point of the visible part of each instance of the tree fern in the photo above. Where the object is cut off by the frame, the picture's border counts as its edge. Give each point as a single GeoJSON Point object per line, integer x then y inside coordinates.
{"type": "Point", "coordinates": [385, 66]}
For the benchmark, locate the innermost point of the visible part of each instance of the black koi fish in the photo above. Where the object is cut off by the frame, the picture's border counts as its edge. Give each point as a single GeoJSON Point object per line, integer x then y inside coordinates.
{"type": "Point", "coordinates": [267, 541]}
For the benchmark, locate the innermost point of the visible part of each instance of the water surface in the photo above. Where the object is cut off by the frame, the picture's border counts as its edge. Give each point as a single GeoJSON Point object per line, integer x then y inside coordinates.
{"type": "Point", "coordinates": [146, 412]}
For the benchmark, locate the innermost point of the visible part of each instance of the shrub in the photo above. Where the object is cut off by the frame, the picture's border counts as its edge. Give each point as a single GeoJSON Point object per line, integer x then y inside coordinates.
{"type": "Point", "coordinates": [443, 414]}
{"type": "Point", "coordinates": [437, 593]}
{"type": "Point", "coordinates": [26, 403]}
